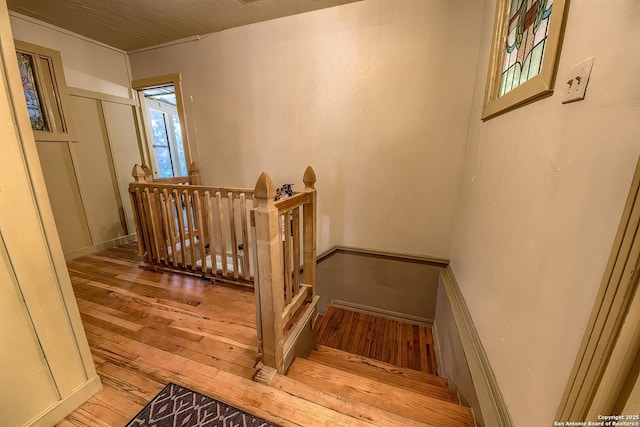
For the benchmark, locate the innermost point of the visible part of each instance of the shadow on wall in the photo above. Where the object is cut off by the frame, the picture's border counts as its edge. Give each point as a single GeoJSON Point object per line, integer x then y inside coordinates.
{"type": "Point", "coordinates": [387, 285]}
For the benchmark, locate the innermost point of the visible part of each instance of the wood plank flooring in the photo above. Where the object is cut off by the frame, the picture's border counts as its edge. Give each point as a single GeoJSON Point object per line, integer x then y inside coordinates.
{"type": "Point", "coordinates": [146, 329]}
{"type": "Point", "coordinates": [391, 341]}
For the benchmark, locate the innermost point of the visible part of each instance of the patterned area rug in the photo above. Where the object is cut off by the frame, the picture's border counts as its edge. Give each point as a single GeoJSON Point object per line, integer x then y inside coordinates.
{"type": "Point", "coordinates": [177, 406]}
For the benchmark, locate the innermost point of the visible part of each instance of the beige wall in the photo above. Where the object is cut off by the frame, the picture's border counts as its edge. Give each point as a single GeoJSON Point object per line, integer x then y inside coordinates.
{"type": "Point", "coordinates": [542, 193]}
{"type": "Point", "coordinates": [87, 64]}
{"type": "Point", "coordinates": [403, 288]}
{"type": "Point", "coordinates": [368, 93]}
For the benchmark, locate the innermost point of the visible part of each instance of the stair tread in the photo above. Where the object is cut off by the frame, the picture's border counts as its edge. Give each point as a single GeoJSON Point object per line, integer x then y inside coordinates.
{"type": "Point", "coordinates": [347, 359]}
{"type": "Point", "coordinates": [356, 366]}
{"type": "Point", "coordinates": [350, 407]}
{"type": "Point", "coordinates": [398, 400]}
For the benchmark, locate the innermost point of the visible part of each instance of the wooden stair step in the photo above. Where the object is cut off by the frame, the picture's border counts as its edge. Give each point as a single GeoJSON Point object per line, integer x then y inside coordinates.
{"type": "Point", "coordinates": [418, 407]}
{"type": "Point", "coordinates": [353, 408]}
{"type": "Point", "coordinates": [356, 367]}
{"type": "Point", "coordinates": [385, 370]}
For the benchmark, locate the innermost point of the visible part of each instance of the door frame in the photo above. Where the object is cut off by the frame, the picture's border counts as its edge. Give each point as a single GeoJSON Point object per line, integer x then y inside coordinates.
{"type": "Point", "coordinates": [138, 86]}
{"type": "Point", "coordinates": [603, 367]}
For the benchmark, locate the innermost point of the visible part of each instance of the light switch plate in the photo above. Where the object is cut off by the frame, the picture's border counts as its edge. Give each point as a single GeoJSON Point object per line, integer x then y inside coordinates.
{"type": "Point", "coordinates": [576, 82]}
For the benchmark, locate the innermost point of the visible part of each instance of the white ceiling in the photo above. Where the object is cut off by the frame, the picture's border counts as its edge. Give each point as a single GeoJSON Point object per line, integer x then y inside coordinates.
{"type": "Point", "coordinates": [136, 24]}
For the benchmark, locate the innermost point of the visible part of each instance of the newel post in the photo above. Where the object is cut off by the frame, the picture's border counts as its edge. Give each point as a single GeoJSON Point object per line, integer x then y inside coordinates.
{"type": "Point", "coordinates": [309, 227]}
{"type": "Point", "coordinates": [194, 174]}
{"type": "Point", "coordinates": [148, 177]}
{"type": "Point", "coordinates": [270, 278]}
{"type": "Point", "coordinates": [138, 173]}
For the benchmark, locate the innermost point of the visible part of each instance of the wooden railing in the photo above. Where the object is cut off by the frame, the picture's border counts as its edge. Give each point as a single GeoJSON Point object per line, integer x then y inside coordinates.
{"type": "Point", "coordinates": [285, 238]}
{"type": "Point", "coordinates": [184, 226]}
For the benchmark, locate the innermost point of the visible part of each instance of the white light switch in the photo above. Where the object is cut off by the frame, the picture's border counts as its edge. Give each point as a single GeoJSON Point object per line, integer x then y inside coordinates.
{"type": "Point", "coordinates": [576, 81]}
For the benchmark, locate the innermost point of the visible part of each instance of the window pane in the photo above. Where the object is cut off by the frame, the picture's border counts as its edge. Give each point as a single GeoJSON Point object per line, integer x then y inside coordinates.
{"type": "Point", "coordinates": [159, 128]}
{"type": "Point", "coordinates": [178, 133]}
{"type": "Point", "coordinates": [164, 161]}
{"type": "Point", "coordinates": [25, 64]}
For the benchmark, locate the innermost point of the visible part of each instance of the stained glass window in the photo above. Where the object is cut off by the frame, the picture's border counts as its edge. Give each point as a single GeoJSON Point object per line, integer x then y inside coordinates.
{"type": "Point", "coordinates": [31, 92]}
{"type": "Point", "coordinates": [526, 39]}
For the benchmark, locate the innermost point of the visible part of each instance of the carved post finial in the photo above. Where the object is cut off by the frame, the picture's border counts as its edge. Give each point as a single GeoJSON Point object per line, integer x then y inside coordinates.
{"type": "Point", "coordinates": [194, 174]}
{"type": "Point", "coordinates": [265, 188]}
{"type": "Point", "coordinates": [309, 178]}
{"type": "Point", "coordinates": [138, 174]}
{"type": "Point", "coordinates": [147, 173]}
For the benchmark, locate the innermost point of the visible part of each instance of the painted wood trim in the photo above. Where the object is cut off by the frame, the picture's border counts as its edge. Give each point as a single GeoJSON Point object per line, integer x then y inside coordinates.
{"type": "Point", "coordinates": [99, 247]}
{"type": "Point", "coordinates": [492, 405]}
{"type": "Point", "coordinates": [60, 87]}
{"type": "Point", "coordinates": [618, 285]}
{"type": "Point", "coordinates": [64, 407]}
{"type": "Point", "coordinates": [381, 312]}
{"type": "Point", "coordinates": [84, 93]}
{"type": "Point", "coordinates": [392, 256]}
{"type": "Point", "coordinates": [50, 240]}
{"type": "Point", "coordinates": [619, 377]}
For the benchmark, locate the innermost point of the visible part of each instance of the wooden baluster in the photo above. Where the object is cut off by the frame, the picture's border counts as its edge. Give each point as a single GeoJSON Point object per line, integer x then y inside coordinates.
{"type": "Point", "coordinates": [172, 226]}
{"type": "Point", "coordinates": [194, 174]}
{"type": "Point", "coordinates": [136, 220]}
{"type": "Point", "coordinates": [296, 250]}
{"type": "Point", "coordinates": [210, 230]}
{"type": "Point", "coordinates": [181, 227]}
{"type": "Point", "coordinates": [234, 239]}
{"type": "Point", "coordinates": [152, 222]}
{"type": "Point", "coordinates": [144, 229]}
{"type": "Point", "coordinates": [270, 273]}
{"type": "Point", "coordinates": [164, 223]}
{"type": "Point", "coordinates": [309, 233]}
{"type": "Point", "coordinates": [223, 241]}
{"type": "Point", "coordinates": [190, 232]}
{"type": "Point", "coordinates": [246, 273]}
{"type": "Point", "coordinates": [201, 238]}
{"type": "Point", "coordinates": [286, 253]}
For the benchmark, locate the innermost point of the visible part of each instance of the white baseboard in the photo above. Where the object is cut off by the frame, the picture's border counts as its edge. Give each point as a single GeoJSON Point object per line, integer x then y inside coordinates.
{"type": "Point", "coordinates": [64, 407]}
{"type": "Point", "coordinates": [99, 247]}
{"type": "Point", "coordinates": [380, 312]}
{"type": "Point", "coordinates": [492, 405]}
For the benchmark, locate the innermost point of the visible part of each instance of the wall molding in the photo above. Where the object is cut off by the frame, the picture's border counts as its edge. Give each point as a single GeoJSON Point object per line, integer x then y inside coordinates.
{"type": "Point", "coordinates": [492, 405]}
{"type": "Point", "coordinates": [58, 411]}
{"type": "Point", "coordinates": [99, 247]}
{"type": "Point", "coordinates": [393, 256]}
{"type": "Point", "coordinates": [380, 312]}
{"type": "Point", "coordinates": [84, 93]}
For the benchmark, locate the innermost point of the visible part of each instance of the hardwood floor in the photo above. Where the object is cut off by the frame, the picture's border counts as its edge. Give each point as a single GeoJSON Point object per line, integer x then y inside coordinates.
{"type": "Point", "coordinates": [398, 343]}
{"type": "Point", "coordinates": [146, 329]}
